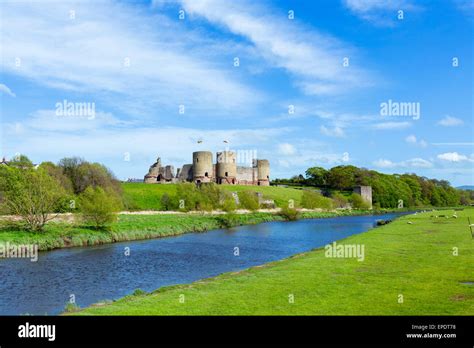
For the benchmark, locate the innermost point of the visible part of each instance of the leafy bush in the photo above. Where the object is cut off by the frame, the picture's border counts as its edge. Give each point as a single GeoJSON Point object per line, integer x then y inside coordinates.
{"type": "Point", "coordinates": [340, 201]}
{"type": "Point", "coordinates": [248, 200]}
{"type": "Point", "coordinates": [290, 214]}
{"type": "Point", "coordinates": [98, 207]}
{"type": "Point", "coordinates": [31, 194]}
{"type": "Point", "coordinates": [168, 202]}
{"type": "Point", "coordinates": [313, 200]}
{"type": "Point", "coordinates": [228, 204]}
{"type": "Point", "coordinates": [358, 202]}
{"type": "Point", "coordinates": [229, 220]}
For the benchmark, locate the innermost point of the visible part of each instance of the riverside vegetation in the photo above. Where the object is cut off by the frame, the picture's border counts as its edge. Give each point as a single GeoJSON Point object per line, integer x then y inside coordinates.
{"type": "Point", "coordinates": [39, 198]}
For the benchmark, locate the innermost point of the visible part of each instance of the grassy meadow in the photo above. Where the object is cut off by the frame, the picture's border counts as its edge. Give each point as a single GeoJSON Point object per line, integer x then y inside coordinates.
{"type": "Point", "coordinates": [417, 265]}
{"type": "Point", "coordinates": [140, 196]}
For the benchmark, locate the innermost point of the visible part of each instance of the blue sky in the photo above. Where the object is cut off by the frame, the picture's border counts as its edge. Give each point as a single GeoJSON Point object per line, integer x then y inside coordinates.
{"type": "Point", "coordinates": [334, 64]}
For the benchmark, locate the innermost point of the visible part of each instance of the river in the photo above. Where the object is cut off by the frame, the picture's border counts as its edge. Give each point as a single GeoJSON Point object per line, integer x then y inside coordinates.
{"type": "Point", "coordinates": [92, 274]}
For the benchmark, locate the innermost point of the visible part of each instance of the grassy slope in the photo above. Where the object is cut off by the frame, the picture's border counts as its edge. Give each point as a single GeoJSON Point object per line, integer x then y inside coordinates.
{"type": "Point", "coordinates": [147, 197]}
{"type": "Point", "coordinates": [414, 260]}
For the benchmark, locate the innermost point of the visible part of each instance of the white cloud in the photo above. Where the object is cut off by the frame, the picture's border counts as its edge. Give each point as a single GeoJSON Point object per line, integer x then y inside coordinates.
{"type": "Point", "coordinates": [449, 121]}
{"type": "Point", "coordinates": [314, 59]}
{"type": "Point", "coordinates": [124, 53]}
{"type": "Point", "coordinates": [336, 131]}
{"type": "Point", "coordinates": [391, 125]}
{"type": "Point", "coordinates": [6, 90]}
{"type": "Point", "coordinates": [452, 157]}
{"type": "Point", "coordinates": [411, 163]}
{"type": "Point", "coordinates": [379, 12]}
{"type": "Point", "coordinates": [411, 139]}
{"type": "Point", "coordinates": [286, 149]}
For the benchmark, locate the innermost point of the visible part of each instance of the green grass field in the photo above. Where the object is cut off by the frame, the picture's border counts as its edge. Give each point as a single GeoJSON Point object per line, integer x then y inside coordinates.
{"type": "Point", "coordinates": [415, 261]}
{"type": "Point", "coordinates": [147, 196]}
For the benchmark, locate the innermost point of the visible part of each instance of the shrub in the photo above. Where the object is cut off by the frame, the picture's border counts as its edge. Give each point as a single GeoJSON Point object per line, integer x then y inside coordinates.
{"type": "Point", "coordinates": [248, 200]}
{"type": "Point", "coordinates": [313, 200]}
{"type": "Point", "coordinates": [98, 207]}
{"type": "Point", "coordinates": [167, 202]}
{"type": "Point", "coordinates": [358, 202]}
{"type": "Point", "coordinates": [289, 214]}
{"type": "Point", "coordinates": [340, 201]}
{"type": "Point", "coordinates": [229, 220]}
{"type": "Point", "coordinates": [229, 204]}
{"type": "Point", "coordinates": [31, 194]}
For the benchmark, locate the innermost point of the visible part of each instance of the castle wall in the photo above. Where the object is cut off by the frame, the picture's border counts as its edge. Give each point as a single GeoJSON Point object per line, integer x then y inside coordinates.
{"type": "Point", "coordinates": [246, 175]}
{"type": "Point", "coordinates": [225, 171]}
{"type": "Point", "coordinates": [365, 192]}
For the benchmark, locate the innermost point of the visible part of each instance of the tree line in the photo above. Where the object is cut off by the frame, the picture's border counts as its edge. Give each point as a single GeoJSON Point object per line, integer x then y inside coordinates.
{"type": "Point", "coordinates": [388, 190]}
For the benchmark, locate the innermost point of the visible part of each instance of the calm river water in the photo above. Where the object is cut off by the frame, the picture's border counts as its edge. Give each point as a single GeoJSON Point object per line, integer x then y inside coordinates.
{"type": "Point", "coordinates": [97, 273]}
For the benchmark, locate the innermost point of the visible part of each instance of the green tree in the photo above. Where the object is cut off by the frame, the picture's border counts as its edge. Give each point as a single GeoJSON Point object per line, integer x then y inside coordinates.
{"type": "Point", "coordinates": [31, 194]}
{"type": "Point", "coordinates": [98, 207]}
{"type": "Point", "coordinates": [317, 176]}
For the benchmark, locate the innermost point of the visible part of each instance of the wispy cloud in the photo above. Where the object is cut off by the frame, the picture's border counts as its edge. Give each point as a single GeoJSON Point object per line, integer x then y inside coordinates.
{"type": "Point", "coordinates": [379, 12]}
{"type": "Point", "coordinates": [450, 121]}
{"type": "Point", "coordinates": [6, 90]}
{"type": "Point", "coordinates": [315, 60]}
{"type": "Point", "coordinates": [130, 58]}
{"type": "Point", "coordinates": [411, 139]}
{"type": "Point", "coordinates": [411, 163]}
{"type": "Point", "coordinates": [391, 125]}
{"type": "Point", "coordinates": [337, 132]}
{"type": "Point", "coordinates": [454, 157]}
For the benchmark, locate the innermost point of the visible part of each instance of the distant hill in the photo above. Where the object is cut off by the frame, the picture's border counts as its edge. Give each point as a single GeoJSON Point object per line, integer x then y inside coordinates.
{"type": "Point", "coordinates": [466, 187]}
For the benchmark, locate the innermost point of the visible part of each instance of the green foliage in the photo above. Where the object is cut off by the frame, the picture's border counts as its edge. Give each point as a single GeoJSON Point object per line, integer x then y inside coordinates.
{"type": "Point", "coordinates": [83, 174]}
{"type": "Point", "coordinates": [317, 176]}
{"type": "Point", "coordinates": [31, 194]}
{"type": "Point", "coordinates": [358, 202]}
{"type": "Point", "coordinates": [248, 200]}
{"type": "Point", "coordinates": [229, 220]}
{"type": "Point", "coordinates": [22, 162]}
{"type": "Point", "coordinates": [313, 200]}
{"type": "Point", "coordinates": [139, 292]}
{"type": "Point", "coordinates": [167, 202]}
{"type": "Point", "coordinates": [342, 177]}
{"type": "Point", "coordinates": [98, 207]}
{"type": "Point", "coordinates": [228, 203]}
{"type": "Point", "coordinates": [340, 201]}
{"type": "Point", "coordinates": [289, 214]}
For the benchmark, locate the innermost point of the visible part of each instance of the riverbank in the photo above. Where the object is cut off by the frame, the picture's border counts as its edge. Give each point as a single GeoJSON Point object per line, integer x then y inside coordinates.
{"type": "Point", "coordinates": [136, 226]}
{"type": "Point", "coordinates": [417, 265]}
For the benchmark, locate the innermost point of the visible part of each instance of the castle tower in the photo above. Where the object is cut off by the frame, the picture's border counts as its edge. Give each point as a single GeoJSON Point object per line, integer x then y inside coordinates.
{"type": "Point", "coordinates": [202, 166]}
{"type": "Point", "coordinates": [226, 168]}
{"type": "Point", "coordinates": [263, 172]}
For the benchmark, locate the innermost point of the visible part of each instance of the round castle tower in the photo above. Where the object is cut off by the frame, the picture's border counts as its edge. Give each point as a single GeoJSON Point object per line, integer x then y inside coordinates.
{"type": "Point", "coordinates": [226, 168]}
{"type": "Point", "coordinates": [263, 172]}
{"type": "Point", "coordinates": [202, 166]}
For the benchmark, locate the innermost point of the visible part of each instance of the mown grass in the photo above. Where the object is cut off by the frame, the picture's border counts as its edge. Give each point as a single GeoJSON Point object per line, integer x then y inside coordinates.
{"type": "Point", "coordinates": [140, 196]}
{"type": "Point", "coordinates": [413, 260]}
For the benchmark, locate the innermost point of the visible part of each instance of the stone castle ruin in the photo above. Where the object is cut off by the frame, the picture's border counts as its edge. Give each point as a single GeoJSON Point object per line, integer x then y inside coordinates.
{"type": "Point", "coordinates": [202, 170]}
